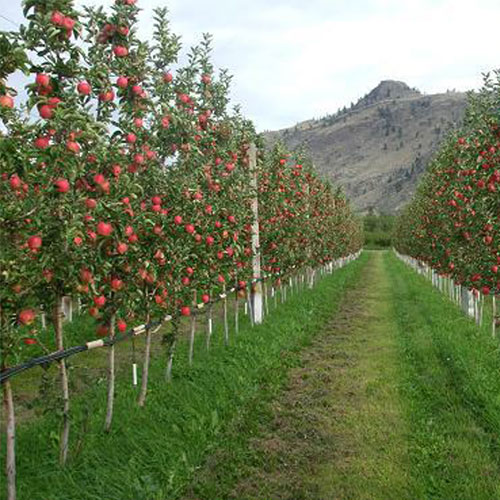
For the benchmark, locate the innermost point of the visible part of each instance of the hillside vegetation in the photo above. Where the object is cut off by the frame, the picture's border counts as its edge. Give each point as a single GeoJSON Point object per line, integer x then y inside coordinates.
{"type": "Point", "coordinates": [378, 148]}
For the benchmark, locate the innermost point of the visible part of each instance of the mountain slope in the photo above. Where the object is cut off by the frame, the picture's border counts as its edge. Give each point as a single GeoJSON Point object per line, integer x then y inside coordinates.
{"type": "Point", "coordinates": [379, 147]}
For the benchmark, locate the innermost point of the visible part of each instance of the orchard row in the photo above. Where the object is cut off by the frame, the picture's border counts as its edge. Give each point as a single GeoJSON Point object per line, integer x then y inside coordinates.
{"type": "Point", "coordinates": [453, 222]}
{"type": "Point", "coordinates": [128, 182]}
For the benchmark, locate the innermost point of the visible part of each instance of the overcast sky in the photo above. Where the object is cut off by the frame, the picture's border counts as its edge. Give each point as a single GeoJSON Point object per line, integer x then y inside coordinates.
{"type": "Point", "coordinates": [297, 59]}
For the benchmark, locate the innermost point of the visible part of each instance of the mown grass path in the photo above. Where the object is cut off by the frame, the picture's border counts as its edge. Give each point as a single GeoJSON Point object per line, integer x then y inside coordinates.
{"type": "Point", "coordinates": [397, 397]}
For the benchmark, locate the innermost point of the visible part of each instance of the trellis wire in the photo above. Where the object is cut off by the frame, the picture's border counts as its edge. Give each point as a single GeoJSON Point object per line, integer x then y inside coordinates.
{"type": "Point", "coordinates": [134, 332]}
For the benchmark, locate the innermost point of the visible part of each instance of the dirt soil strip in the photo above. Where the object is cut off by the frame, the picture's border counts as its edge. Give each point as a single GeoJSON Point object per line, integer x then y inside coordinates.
{"type": "Point", "coordinates": [338, 430]}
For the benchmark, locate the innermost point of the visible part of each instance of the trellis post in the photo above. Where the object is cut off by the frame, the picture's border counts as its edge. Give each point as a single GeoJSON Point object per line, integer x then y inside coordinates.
{"type": "Point", "coordinates": [256, 289]}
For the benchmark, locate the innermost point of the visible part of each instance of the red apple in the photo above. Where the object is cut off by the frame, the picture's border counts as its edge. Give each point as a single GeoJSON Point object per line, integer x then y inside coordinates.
{"type": "Point", "coordinates": [42, 79]}
{"type": "Point", "coordinates": [122, 82]}
{"type": "Point", "coordinates": [34, 242]}
{"type": "Point", "coordinates": [42, 142]}
{"type": "Point", "coordinates": [116, 284]}
{"type": "Point", "coordinates": [62, 185]}
{"type": "Point", "coordinates": [90, 203]}
{"type": "Point", "coordinates": [121, 248]}
{"type": "Point", "coordinates": [73, 146]}
{"type": "Point", "coordinates": [120, 51]}
{"type": "Point", "coordinates": [26, 316]}
{"type": "Point", "coordinates": [57, 18]}
{"type": "Point", "coordinates": [84, 88]}
{"type": "Point", "coordinates": [46, 112]}
{"type": "Point", "coordinates": [104, 228]}
{"type": "Point", "coordinates": [100, 301]}
{"type": "Point", "coordinates": [6, 101]}
{"type": "Point", "coordinates": [15, 182]}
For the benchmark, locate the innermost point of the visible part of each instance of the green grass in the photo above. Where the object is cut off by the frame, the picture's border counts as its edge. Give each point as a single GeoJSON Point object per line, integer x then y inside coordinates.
{"type": "Point", "coordinates": [371, 460]}
{"type": "Point", "coordinates": [154, 453]}
{"type": "Point", "coordinates": [450, 385]}
{"type": "Point", "coordinates": [398, 397]}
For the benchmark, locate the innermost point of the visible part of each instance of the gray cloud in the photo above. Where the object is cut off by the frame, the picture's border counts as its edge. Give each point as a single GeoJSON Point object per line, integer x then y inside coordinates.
{"type": "Point", "coordinates": [294, 60]}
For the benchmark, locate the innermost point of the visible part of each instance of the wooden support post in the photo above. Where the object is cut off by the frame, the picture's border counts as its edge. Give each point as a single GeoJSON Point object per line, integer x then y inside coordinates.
{"type": "Point", "coordinates": [256, 290]}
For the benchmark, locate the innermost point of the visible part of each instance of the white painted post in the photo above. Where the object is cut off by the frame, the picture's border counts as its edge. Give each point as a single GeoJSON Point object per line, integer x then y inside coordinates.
{"type": "Point", "coordinates": [256, 290]}
{"type": "Point", "coordinates": [134, 374]}
{"type": "Point", "coordinates": [493, 316]}
{"type": "Point", "coordinates": [236, 310]}
{"type": "Point", "coordinates": [470, 302]}
{"type": "Point", "coordinates": [266, 298]}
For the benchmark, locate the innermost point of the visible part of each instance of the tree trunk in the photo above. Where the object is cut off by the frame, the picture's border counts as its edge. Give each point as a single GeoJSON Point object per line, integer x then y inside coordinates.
{"type": "Point", "coordinates": [226, 326]}
{"type": "Point", "coordinates": [111, 376]}
{"type": "Point", "coordinates": [10, 427]}
{"type": "Point", "coordinates": [493, 316]}
{"type": "Point", "coordinates": [171, 352]}
{"type": "Point", "coordinates": [193, 331]}
{"type": "Point", "coordinates": [236, 312]}
{"type": "Point", "coordinates": [250, 309]}
{"type": "Point", "coordinates": [10, 458]}
{"type": "Point", "coordinates": [145, 366]}
{"type": "Point", "coordinates": [58, 327]}
{"type": "Point", "coordinates": [266, 298]}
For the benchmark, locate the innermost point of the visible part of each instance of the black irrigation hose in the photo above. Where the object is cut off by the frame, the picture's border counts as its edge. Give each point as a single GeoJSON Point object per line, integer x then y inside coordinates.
{"type": "Point", "coordinates": [107, 342]}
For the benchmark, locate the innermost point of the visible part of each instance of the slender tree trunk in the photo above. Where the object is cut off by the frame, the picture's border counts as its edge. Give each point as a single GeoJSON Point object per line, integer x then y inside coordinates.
{"type": "Point", "coordinates": [250, 310]}
{"type": "Point", "coordinates": [226, 326]}
{"type": "Point", "coordinates": [209, 325]}
{"type": "Point", "coordinates": [236, 311]}
{"type": "Point", "coordinates": [493, 316]}
{"type": "Point", "coordinates": [193, 331]}
{"type": "Point", "coordinates": [58, 327]}
{"type": "Point", "coordinates": [10, 458]}
{"type": "Point", "coordinates": [10, 422]}
{"type": "Point", "coordinates": [266, 298]}
{"type": "Point", "coordinates": [111, 376]}
{"type": "Point", "coordinates": [145, 366]}
{"type": "Point", "coordinates": [171, 352]}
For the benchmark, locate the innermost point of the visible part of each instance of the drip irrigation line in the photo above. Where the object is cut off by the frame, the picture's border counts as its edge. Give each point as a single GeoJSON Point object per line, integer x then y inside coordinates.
{"type": "Point", "coordinates": [106, 342]}
{"type": "Point", "coordinates": [131, 333]}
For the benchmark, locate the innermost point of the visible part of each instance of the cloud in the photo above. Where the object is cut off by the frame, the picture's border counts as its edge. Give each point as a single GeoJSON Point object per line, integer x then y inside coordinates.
{"type": "Point", "coordinates": [294, 60]}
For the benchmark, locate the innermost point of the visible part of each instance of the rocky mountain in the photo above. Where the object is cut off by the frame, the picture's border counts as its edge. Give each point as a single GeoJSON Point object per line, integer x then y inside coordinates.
{"type": "Point", "coordinates": [378, 148]}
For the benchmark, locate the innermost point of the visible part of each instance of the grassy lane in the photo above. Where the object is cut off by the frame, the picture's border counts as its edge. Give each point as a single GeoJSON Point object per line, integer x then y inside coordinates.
{"type": "Point", "coordinates": [337, 430]}
{"type": "Point", "coordinates": [370, 459]}
{"type": "Point", "coordinates": [153, 453]}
